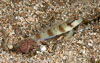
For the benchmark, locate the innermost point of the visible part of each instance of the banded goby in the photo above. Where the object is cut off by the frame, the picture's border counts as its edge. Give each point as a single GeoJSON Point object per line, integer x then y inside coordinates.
{"type": "Point", "coordinates": [57, 30]}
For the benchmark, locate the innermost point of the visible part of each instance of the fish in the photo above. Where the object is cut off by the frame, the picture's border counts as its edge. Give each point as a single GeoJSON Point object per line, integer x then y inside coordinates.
{"type": "Point", "coordinates": [32, 41]}
{"type": "Point", "coordinates": [57, 30]}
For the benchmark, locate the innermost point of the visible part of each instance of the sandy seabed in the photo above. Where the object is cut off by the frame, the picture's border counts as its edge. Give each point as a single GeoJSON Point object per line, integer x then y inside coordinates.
{"type": "Point", "coordinates": [21, 19]}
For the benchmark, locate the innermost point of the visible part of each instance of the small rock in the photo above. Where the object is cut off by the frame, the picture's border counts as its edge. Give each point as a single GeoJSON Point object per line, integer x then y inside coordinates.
{"type": "Point", "coordinates": [10, 46]}
{"type": "Point", "coordinates": [43, 48]}
{"type": "Point", "coordinates": [90, 44]}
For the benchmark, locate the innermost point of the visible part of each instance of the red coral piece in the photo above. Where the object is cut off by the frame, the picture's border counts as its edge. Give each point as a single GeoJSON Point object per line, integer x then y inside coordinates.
{"type": "Point", "coordinates": [26, 46]}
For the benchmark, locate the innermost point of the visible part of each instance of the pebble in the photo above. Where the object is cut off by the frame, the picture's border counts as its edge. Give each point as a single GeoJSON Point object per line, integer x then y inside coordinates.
{"type": "Point", "coordinates": [43, 48]}
{"type": "Point", "coordinates": [10, 46]}
{"type": "Point", "coordinates": [90, 44]}
{"type": "Point", "coordinates": [0, 33]}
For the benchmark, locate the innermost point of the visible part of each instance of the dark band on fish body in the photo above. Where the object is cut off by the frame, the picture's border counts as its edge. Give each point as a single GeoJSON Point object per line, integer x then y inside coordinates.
{"type": "Point", "coordinates": [69, 24]}
{"type": "Point", "coordinates": [50, 33]}
{"type": "Point", "coordinates": [61, 28]}
{"type": "Point", "coordinates": [38, 36]}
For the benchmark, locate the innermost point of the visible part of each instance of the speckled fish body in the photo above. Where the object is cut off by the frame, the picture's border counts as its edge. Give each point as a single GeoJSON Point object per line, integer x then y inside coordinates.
{"type": "Point", "coordinates": [57, 30]}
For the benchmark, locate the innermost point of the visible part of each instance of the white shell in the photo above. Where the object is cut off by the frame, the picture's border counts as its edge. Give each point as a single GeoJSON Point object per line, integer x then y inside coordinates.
{"type": "Point", "coordinates": [43, 48]}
